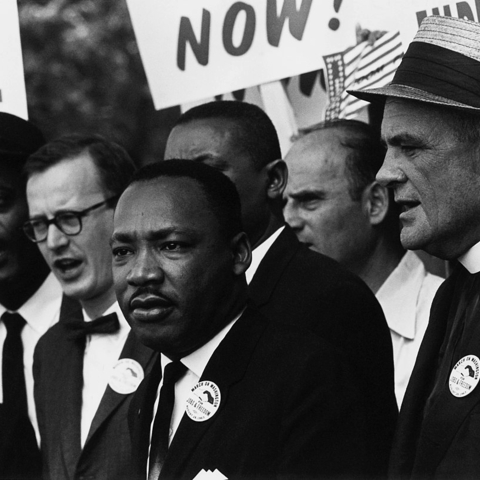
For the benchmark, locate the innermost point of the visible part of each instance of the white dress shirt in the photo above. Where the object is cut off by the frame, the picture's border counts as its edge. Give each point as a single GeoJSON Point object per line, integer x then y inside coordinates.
{"type": "Point", "coordinates": [406, 297]}
{"type": "Point", "coordinates": [260, 252]}
{"type": "Point", "coordinates": [471, 259]}
{"type": "Point", "coordinates": [100, 356]}
{"type": "Point", "coordinates": [40, 311]}
{"type": "Point", "coordinates": [195, 363]}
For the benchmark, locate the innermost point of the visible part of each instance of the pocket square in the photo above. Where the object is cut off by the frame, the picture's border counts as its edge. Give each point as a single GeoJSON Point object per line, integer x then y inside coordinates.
{"type": "Point", "coordinates": [209, 475]}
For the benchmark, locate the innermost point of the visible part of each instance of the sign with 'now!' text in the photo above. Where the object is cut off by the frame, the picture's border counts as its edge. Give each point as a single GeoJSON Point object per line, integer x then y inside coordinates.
{"type": "Point", "coordinates": [195, 49]}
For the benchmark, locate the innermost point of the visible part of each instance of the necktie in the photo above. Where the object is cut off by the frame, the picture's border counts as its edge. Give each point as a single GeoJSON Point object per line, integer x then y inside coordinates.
{"type": "Point", "coordinates": [78, 329]}
{"type": "Point", "coordinates": [161, 425]}
{"type": "Point", "coordinates": [14, 391]}
{"type": "Point", "coordinates": [20, 453]}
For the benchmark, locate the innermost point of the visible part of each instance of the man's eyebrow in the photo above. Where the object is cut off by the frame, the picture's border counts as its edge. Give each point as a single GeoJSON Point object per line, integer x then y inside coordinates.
{"type": "Point", "coordinates": [307, 193]}
{"type": "Point", "coordinates": [122, 237]}
{"type": "Point", "coordinates": [126, 237]}
{"type": "Point", "coordinates": [400, 139]}
{"type": "Point", "coordinates": [60, 211]}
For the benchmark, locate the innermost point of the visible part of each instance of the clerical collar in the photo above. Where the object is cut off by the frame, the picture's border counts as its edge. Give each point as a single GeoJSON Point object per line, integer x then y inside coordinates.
{"type": "Point", "coordinates": [471, 259]}
{"type": "Point", "coordinates": [259, 252]}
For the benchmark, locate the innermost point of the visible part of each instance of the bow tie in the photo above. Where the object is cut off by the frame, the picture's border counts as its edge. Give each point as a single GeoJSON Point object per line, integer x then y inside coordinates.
{"type": "Point", "coordinates": [79, 329]}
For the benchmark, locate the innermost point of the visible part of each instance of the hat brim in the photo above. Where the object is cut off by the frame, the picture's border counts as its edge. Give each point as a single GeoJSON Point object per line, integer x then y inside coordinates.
{"type": "Point", "coordinates": [379, 95]}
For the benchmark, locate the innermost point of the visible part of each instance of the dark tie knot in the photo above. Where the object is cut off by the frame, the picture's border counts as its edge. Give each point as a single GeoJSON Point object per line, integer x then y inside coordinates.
{"type": "Point", "coordinates": [78, 329]}
{"type": "Point", "coordinates": [14, 323]}
{"type": "Point", "coordinates": [173, 372]}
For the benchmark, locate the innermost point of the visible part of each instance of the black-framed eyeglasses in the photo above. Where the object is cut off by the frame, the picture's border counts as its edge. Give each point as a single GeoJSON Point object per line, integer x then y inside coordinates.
{"type": "Point", "coordinates": [69, 223]}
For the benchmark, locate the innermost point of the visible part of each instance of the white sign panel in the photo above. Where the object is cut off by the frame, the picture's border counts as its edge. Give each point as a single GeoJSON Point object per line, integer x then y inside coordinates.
{"type": "Point", "coordinates": [13, 98]}
{"type": "Point", "coordinates": [194, 49]}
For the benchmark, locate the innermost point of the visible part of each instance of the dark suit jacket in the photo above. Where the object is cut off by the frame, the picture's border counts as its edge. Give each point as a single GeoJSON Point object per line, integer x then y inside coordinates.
{"type": "Point", "coordinates": [58, 374]}
{"type": "Point", "coordinates": [288, 409]}
{"type": "Point", "coordinates": [445, 442]}
{"type": "Point", "coordinates": [296, 285]}
{"type": "Point", "coordinates": [19, 453]}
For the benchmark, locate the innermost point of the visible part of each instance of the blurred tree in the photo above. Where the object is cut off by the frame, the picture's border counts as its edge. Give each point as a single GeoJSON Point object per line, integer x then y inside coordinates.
{"type": "Point", "coordinates": [84, 74]}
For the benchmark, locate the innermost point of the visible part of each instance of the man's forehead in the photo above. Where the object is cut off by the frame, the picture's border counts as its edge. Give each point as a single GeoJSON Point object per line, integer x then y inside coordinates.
{"type": "Point", "coordinates": [163, 206]}
{"type": "Point", "coordinates": [66, 183]}
{"type": "Point", "coordinates": [410, 119]}
{"type": "Point", "coordinates": [319, 149]}
{"type": "Point", "coordinates": [166, 192]}
{"type": "Point", "coordinates": [203, 135]}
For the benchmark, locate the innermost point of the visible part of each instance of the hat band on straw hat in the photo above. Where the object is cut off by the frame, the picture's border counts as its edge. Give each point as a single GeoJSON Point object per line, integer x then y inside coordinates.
{"type": "Point", "coordinates": [441, 72]}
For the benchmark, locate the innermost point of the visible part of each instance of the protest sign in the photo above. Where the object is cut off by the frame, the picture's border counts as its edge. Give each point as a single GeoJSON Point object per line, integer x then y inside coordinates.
{"type": "Point", "coordinates": [194, 49]}
{"type": "Point", "coordinates": [13, 97]}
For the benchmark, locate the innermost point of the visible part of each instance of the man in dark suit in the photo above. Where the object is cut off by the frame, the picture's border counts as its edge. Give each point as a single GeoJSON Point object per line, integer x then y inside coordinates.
{"type": "Point", "coordinates": [30, 299]}
{"type": "Point", "coordinates": [287, 281]}
{"type": "Point", "coordinates": [85, 369]}
{"type": "Point", "coordinates": [431, 126]}
{"type": "Point", "coordinates": [251, 398]}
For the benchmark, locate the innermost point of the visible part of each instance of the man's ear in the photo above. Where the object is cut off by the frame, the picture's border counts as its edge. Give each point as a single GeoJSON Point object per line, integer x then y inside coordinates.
{"type": "Point", "coordinates": [241, 253]}
{"type": "Point", "coordinates": [277, 176]}
{"type": "Point", "coordinates": [377, 201]}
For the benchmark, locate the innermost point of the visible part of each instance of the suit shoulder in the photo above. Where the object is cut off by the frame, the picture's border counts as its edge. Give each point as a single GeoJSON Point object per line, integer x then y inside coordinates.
{"type": "Point", "coordinates": [324, 269]}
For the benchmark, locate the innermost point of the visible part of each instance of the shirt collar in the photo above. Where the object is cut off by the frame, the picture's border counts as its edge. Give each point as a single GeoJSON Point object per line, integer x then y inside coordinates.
{"type": "Point", "coordinates": [197, 360]}
{"type": "Point", "coordinates": [114, 308]}
{"type": "Point", "coordinates": [42, 309]}
{"type": "Point", "coordinates": [260, 252]}
{"type": "Point", "coordinates": [398, 295]}
{"type": "Point", "coordinates": [471, 259]}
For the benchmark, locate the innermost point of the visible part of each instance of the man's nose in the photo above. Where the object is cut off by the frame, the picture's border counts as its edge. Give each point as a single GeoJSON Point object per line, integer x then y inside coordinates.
{"type": "Point", "coordinates": [292, 216]}
{"type": "Point", "coordinates": [145, 270]}
{"type": "Point", "coordinates": [56, 238]}
{"type": "Point", "coordinates": [390, 172]}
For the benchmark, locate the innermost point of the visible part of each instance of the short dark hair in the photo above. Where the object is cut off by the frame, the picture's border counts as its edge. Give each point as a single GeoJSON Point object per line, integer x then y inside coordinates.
{"type": "Point", "coordinates": [220, 192]}
{"type": "Point", "coordinates": [254, 131]}
{"type": "Point", "coordinates": [366, 152]}
{"type": "Point", "coordinates": [114, 165]}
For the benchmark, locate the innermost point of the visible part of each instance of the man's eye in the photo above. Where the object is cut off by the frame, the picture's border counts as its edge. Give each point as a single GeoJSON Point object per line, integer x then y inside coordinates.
{"type": "Point", "coordinates": [408, 149]}
{"type": "Point", "coordinates": [121, 252]}
{"type": "Point", "coordinates": [172, 246]}
{"type": "Point", "coordinates": [309, 203]}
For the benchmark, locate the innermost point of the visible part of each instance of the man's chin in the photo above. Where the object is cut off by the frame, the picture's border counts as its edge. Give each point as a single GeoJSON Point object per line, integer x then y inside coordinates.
{"type": "Point", "coordinates": [411, 240]}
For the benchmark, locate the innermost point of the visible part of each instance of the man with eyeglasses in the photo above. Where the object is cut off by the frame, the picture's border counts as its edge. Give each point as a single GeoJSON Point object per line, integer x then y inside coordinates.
{"type": "Point", "coordinates": [85, 371]}
{"type": "Point", "coordinates": [30, 302]}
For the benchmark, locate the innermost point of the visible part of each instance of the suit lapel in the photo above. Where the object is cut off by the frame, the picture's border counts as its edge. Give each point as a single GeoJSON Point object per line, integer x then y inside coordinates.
{"type": "Point", "coordinates": [272, 266]}
{"type": "Point", "coordinates": [226, 367]}
{"type": "Point", "coordinates": [71, 406]}
{"type": "Point", "coordinates": [111, 400]}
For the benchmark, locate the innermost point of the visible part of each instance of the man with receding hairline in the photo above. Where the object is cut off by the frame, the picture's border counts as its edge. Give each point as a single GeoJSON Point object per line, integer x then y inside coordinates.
{"type": "Point", "coordinates": [335, 206]}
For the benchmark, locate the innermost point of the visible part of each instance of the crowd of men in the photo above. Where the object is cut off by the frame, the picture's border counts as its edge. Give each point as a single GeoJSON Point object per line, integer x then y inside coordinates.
{"type": "Point", "coordinates": [225, 313]}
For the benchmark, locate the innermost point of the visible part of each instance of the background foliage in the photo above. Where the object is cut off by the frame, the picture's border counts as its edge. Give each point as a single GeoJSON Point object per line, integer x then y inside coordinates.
{"type": "Point", "coordinates": [84, 74]}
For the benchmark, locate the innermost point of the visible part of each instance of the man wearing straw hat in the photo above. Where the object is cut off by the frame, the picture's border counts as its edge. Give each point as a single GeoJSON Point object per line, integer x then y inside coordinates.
{"type": "Point", "coordinates": [431, 126]}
